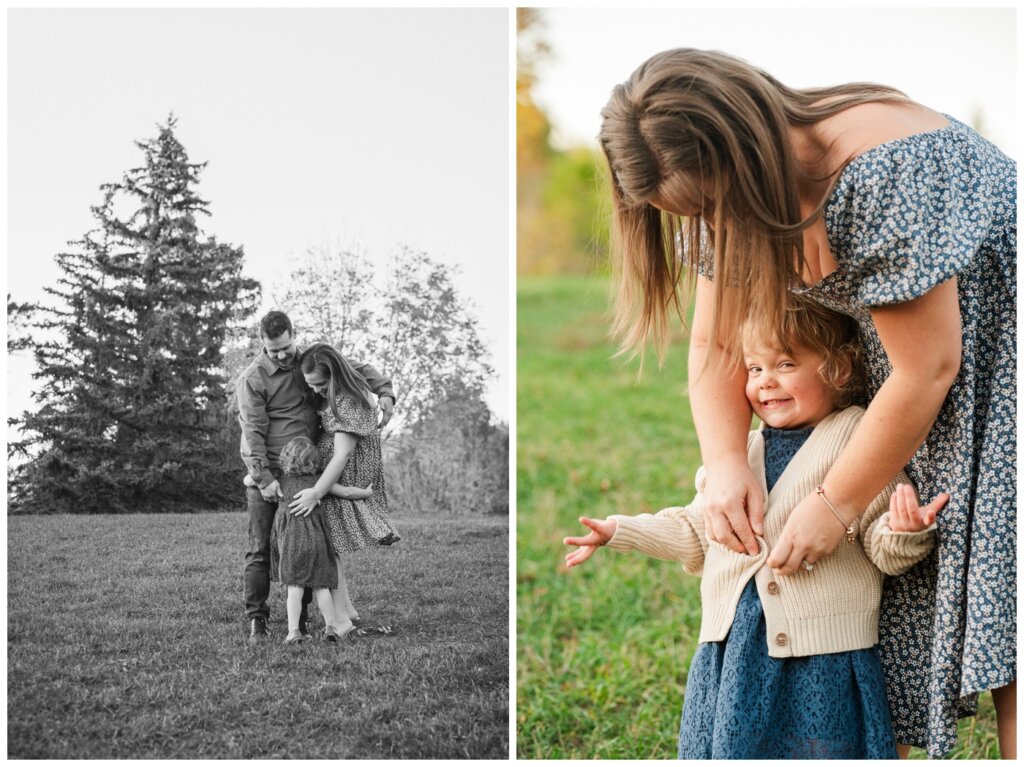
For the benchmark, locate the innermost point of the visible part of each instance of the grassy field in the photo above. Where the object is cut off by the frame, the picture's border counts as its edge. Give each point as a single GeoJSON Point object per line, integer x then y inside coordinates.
{"type": "Point", "coordinates": [127, 639]}
{"type": "Point", "coordinates": [603, 650]}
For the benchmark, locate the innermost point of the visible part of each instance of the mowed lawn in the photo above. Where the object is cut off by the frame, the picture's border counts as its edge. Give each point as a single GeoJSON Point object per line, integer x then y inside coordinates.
{"type": "Point", "coordinates": [603, 650]}
{"type": "Point", "coordinates": [127, 639]}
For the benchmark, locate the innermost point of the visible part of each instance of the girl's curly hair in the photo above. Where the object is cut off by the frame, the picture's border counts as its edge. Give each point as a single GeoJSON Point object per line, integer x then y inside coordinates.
{"type": "Point", "coordinates": [300, 456]}
{"type": "Point", "coordinates": [828, 333]}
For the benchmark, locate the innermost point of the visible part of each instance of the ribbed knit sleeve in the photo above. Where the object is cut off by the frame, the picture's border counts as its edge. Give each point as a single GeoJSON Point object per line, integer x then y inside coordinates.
{"type": "Point", "coordinates": [894, 553]}
{"type": "Point", "coordinates": [675, 534]}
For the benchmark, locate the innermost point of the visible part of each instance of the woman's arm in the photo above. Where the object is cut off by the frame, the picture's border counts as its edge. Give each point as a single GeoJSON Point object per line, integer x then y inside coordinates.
{"type": "Point", "coordinates": [307, 500]}
{"type": "Point", "coordinates": [721, 415]}
{"type": "Point", "coordinates": [923, 340]}
{"type": "Point", "coordinates": [351, 492]}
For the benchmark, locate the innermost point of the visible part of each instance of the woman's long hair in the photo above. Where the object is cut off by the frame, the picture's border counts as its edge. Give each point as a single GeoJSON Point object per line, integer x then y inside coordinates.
{"type": "Point", "coordinates": [341, 377]}
{"type": "Point", "coordinates": [709, 133]}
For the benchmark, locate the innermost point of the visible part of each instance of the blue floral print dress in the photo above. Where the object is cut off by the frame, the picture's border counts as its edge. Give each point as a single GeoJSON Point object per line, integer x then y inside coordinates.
{"type": "Point", "coordinates": [743, 704]}
{"type": "Point", "coordinates": [903, 218]}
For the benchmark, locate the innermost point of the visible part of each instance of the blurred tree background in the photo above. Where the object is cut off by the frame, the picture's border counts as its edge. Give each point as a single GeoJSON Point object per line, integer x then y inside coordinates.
{"type": "Point", "coordinates": [139, 345]}
{"type": "Point", "coordinates": [560, 192]}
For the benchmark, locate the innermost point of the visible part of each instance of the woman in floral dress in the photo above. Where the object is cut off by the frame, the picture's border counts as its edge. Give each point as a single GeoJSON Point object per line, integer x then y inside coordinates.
{"type": "Point", "coordinates": [902, 218]}
{"type": "Point", "coordinates": [351, 453]}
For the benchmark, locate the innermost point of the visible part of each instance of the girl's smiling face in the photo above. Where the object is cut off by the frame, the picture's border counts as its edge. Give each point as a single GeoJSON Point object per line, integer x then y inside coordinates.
{"type": "Point", "coordinates": [317, 382]}
{"type": "Point", "coordinates": [786, 390]}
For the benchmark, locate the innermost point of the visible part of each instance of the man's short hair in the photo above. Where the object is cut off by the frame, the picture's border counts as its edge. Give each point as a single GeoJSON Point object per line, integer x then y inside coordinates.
{"type": "Point", "coordinates": [274, 323]}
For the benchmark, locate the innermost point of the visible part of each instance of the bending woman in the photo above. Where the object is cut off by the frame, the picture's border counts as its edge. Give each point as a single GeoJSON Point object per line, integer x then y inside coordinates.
{"type": "Point", "coordinates": [351, 453]}
{"type": "Point", "coordinates": [902, 218]}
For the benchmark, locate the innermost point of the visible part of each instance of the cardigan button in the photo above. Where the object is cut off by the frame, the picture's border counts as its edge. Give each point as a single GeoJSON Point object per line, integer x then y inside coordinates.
{"type": "Point", "coordinates": [781, 640]}
{"type": "Point", "coordinates": [773, 587]}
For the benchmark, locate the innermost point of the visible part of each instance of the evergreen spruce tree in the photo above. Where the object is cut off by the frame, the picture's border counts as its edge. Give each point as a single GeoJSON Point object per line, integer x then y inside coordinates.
{"type": "Point", "coordinates": [130, 389]}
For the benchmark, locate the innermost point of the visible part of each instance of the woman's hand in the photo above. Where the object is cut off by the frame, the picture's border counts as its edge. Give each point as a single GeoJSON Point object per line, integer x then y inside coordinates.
{"type": "Point", "coordinates": [304, 503]}
{"type": "Point", "coordinates": [733, 507]}
{"type": "Point", "coordinates": [387, 406]}
{"type": "Point", "coordinates": [601, 531]}
{"type": "Point", "coordinates": [905, 516]}
{"type": "Point", "coordinates": [810, 533]}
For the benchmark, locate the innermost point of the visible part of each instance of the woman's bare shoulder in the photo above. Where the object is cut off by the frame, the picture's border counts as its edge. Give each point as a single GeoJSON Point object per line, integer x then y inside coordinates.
{"type": "Point", "coordinates": [865, 126]}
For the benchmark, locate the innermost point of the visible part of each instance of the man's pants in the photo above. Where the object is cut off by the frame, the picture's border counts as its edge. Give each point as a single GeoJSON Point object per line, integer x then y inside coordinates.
{"type": "Point", "coordinates": [256, 577]}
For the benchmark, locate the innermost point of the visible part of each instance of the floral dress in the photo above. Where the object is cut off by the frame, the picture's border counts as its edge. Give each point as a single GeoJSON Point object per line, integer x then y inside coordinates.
{"type": "Point", "coordinates": [357, 524]}
{"type": "Point", "coordinates": [904, 217]}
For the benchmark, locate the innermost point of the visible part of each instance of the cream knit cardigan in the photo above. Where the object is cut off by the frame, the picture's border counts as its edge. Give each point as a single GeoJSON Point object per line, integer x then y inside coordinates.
{"type": "Point", "coordinates": [832, 608]}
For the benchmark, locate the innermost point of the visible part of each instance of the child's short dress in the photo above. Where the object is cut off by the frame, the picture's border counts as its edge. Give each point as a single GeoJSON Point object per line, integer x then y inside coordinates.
{"type": "Point", "coordinates": [357, 524]}
{"type": "Point", "coordinates": [300, 547]}
{"type": "Point", "coordinates": [743, 704]}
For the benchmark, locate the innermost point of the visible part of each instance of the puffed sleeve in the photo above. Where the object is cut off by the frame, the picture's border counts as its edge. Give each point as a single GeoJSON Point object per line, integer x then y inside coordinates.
{"type": "Point", "coordinates": [354, 417]}
{"type": "Point", "coordinates": [909, 216]}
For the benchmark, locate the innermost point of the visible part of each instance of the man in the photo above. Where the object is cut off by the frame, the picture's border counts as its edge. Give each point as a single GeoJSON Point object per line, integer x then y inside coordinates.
{"type": "Point", "coordinates": [273, 409]}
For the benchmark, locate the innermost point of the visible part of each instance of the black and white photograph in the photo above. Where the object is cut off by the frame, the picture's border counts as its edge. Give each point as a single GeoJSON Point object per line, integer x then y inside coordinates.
{"type": "Point", "coordinates": [258, 380]}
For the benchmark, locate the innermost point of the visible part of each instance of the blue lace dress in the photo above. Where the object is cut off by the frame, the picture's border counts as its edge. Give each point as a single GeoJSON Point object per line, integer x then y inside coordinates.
{"type": "Point", "coordinates": [904, 217]}
{"type": "Point", "coordinates": [743, 704]}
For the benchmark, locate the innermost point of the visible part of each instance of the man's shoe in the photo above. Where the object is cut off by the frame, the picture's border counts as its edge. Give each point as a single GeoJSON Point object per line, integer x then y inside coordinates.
{"type": "Point", "coordinates": [257, 630]}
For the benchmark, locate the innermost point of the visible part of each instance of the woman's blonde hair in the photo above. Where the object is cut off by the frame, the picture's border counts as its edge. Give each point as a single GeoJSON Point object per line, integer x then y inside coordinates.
{"type": "Point", "coordinates": [300, 456]}
{"type": "Point", "coordinates": [831, 335]}
{"type": "Point", "coordinates": [709, 134]}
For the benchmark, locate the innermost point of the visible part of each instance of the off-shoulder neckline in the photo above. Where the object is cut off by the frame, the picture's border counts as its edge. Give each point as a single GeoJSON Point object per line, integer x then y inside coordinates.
{"type": "Point", "coordinates": [951, 123]}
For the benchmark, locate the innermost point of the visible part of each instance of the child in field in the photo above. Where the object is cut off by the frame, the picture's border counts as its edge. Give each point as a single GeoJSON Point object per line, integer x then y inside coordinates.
{"type": "Point", "coordinates": [787, 666]}
{"type": "Point", "coordinates": [301, 555]}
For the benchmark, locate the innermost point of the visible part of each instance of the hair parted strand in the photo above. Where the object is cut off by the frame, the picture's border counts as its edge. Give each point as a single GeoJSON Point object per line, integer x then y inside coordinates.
{"type": "Point", "coordinates": [707, 135]}
{"type": "Point", "coordinates": [341, 377]}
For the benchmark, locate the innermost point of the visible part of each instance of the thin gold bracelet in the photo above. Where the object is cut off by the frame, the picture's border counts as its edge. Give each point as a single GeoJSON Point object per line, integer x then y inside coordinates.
{"type": "Point", "coordinates": [851, 534]}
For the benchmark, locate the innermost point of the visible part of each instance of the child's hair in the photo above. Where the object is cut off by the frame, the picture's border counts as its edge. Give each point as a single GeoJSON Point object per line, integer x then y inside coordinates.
{"type": "Point", "coordinates": [300, 456]}
{"type": "Point", "coordinates": [828, 333]}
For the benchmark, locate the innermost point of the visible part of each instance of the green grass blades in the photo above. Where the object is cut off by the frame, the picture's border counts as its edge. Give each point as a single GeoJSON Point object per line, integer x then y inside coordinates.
{"type": "Point", "coordinates": [127, 639]}
{"type": "Point", "coordinates": [603, 649]}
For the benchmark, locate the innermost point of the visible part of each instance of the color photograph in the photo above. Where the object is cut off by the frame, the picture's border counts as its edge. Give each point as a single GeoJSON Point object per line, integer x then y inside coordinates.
{"type": "Point", "coordinates": [766, 383]}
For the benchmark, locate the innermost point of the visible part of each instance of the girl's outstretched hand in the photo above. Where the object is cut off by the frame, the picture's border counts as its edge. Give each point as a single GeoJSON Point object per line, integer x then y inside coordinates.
{"type": "Point", "coordinates": [601, 531]}
{"type": "Point", "coordinates": [905, 516]}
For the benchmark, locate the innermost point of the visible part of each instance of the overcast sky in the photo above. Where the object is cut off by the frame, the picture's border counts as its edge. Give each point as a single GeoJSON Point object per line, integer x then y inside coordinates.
{"type": "Point", "coordinates": [372, 128]}
{"type": "Point", "coordinates": [958, 61]}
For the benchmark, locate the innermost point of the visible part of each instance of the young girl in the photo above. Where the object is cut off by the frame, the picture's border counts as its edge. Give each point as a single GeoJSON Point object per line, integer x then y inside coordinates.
{"type": "Point", "coordinates": [787, 666]}
{"type": "Point", "coordinates": [301, 555]}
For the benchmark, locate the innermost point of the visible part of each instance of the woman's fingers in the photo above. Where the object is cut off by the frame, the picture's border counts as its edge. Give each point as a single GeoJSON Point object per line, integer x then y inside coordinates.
{"type": "Point", "coordinates": [725, 536]}
{"type": "Point", "coordinates": [755, 511]}
{"type": "Point", "coordinates": [790, 558]}
{"type": "Point", "coordinates": [740, 527]}
{"type": "Point", "coordinates": [780, 553]}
